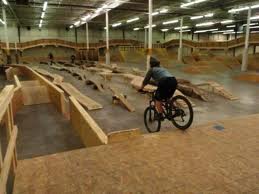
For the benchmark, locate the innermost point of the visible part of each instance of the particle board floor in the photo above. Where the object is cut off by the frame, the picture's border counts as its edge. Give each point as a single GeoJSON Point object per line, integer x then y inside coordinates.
{"type": "Point", "coordinates": [219, 157]}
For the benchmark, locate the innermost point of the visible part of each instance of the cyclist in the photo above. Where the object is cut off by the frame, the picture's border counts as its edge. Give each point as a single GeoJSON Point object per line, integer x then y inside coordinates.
{"type": "Point", "coordinates": [165, 81]}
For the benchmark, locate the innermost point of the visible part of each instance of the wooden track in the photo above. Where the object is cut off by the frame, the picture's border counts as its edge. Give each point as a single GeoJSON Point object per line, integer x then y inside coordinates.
{"type": "Point", "coordinates": [89, 131]}
{"type": "Point", "coordinates": [96, 84]}
{"type": "Point", "coordinates": [216, 88]}
{"type": "Point", "coordinates": [82, 99]}
{"type": "Point", "coordinates": [119, 96]}
{"type": "Point", "coordinates": [55, 77]}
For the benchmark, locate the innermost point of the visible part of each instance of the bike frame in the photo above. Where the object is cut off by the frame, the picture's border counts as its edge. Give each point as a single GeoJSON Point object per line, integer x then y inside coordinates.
{"type": "Point", "coordinates": [167, 107]}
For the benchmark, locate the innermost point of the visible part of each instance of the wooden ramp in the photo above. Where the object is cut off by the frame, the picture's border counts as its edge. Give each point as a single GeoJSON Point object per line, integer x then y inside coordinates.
{"type": "Point", "coordinates": [87, 102]}
{"type": "Point", "coordinates": [96, 84]}
{"type": "Point", "coordinates": [55, 77]}
{"type": "Point", "coordinates": [216, 88]}
{"type": "Point", "coordinates": [122, 98]}
{"type": "Point", "coordinates": [215, 158]}
{"type": "Point", "coordinates": [137, 82]}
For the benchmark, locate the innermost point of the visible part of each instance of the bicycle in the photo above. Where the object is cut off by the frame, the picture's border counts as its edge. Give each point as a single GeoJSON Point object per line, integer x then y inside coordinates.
{"type": "Point", "coordinates": [174, 109]}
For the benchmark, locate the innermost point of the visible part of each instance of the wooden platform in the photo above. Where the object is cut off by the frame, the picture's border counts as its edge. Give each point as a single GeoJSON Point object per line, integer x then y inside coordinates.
{"type": "Point", "coordinates": [87, 102]}
{"type": "Point", "coordinates": [219, 157]}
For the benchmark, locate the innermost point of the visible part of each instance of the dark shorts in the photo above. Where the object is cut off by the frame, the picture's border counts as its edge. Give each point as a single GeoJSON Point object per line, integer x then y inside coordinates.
{"type": "Point", "coordinates": [166, 88]}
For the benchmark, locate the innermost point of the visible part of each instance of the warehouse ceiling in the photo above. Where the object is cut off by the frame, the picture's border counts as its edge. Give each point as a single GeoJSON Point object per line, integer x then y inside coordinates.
{"type": "Point", "coordinates": [64, 13]}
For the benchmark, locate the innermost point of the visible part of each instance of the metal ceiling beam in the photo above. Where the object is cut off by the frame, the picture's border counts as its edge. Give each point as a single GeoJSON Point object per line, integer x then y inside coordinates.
{"type": "Point", "coordinates": [84, 7]}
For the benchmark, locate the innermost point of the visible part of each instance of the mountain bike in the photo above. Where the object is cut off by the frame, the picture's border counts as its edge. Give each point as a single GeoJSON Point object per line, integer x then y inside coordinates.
{"type": "Point", "coordinates": [178, 110]}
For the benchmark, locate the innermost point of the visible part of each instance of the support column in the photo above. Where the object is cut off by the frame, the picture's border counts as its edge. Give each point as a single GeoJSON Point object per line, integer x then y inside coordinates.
{"type": "Point", "coordinates": [123, 34]}
{"type": "Point", "coordinates": [107, 54]}
{"type": "Point", "coordinates": [76, 34]}
{"type": "Point", "coordinates": [180, 50]}
{"type": "Point", "coordinates": [245, 53]}
{"type": "Point", "coordinates": [145, 41]}
{"type": "Point", "coordinates": [19, 33]}
{"type": "Point", "coordinates": [6, 36]}
{"type": "Point", "coordinates": [87, 40]}
{"type": "Point", "coordinates": [149, 51]}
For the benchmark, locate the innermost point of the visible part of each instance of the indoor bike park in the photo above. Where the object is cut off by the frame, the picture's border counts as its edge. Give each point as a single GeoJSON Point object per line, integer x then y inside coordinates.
{"type": "Point", "coordinates": [129, 96]}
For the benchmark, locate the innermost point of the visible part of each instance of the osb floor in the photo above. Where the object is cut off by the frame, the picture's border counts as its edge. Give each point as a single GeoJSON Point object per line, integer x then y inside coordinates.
{"type": "Point", "coordinates": [204, 111]}
{"type": "Point", "coordinates": [219, 157]}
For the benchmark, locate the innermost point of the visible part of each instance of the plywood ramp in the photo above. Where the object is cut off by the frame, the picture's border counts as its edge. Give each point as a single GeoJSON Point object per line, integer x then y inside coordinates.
{"type": "Point", "coordinates": [200, 160]}
{"type": "Point", "coordinates": [122, 98]}
{"type": "Point", "coordinates": [82, 99]}
{"type": "Point", "coordinates": [90, 133]}
{"type": "Point", "coordinates": [35, 95]}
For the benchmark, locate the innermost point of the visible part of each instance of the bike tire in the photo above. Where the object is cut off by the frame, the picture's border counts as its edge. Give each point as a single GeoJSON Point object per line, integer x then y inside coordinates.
{"type": "Point", "coordinates": [189, 123]}
{"type": "Point", "coordinates": [147, 119]}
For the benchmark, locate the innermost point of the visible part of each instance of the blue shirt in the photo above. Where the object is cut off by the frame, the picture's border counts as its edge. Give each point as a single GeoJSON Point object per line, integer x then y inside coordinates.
{"type": "Point", "coordinates": [156, 73]}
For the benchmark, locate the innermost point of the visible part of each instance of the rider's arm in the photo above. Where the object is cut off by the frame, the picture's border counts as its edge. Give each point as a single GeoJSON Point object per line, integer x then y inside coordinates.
{"type": "Point", "coordinates": [147, 78]}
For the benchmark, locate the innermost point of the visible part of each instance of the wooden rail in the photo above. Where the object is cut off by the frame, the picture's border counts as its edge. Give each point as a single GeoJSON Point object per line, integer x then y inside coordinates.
{"type": "Point", "coordinates": [10, 158]}
{"type": "Point", "coordinates": [254, 39]}
{"type": "Point", "coordinates": [68, 44]}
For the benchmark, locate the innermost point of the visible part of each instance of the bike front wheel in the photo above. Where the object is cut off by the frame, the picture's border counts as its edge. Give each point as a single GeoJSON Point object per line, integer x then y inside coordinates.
{"type": "Point", "coordinates": [151, 120]}
{"type": "Point", "coordinates": [183, 112]}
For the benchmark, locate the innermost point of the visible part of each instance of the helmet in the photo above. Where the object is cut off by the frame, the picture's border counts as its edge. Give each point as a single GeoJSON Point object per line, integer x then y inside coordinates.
{"type": "Point", "coordinates": [154, 62]}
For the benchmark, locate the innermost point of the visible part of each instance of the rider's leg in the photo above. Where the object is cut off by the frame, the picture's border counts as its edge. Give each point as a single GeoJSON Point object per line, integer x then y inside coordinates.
{"type": "Point", "coordinates": [159, 107]}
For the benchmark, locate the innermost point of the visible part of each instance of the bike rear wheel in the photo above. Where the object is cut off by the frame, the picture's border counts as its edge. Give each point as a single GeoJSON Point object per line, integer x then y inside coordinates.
{"type": "Point", "coordinates": [151, 120]}
{"type": "Point", "coordinates": [183, 116]}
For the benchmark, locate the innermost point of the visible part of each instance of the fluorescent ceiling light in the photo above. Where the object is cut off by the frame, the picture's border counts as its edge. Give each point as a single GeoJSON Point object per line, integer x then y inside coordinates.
{"type": "Point", "coordinates": [42, 15]}
{"type": "Point", "coordinates": [251, 24]}
{"type": "Point", "coordinates": [104, 6]}
{"type": "Point", "coordinates": [163, 11]}
{"type": "Point", "coordinates": [243, 8]}
{"type": "Point", "coordinates": [40, 25]}
{"type": "Point", "coordinates": [45, 5]}
{"type": "Point", "coordinates": [72, 26]}
{"type": "Point", "coordinates": [77, 23]}
{"type": "Point", "coordinates": [222, 31]}
{"type": "Point", "coordinates": [203, 31]}
{"type": "Point", "coordinates": [105, 28]}
{"type": "Point", "coordinates": [186, 30]}
{"type": "Point", "coordinates": [255, 6]}
{"type": "Point", "coordinates": [238, 9]}
{"type": "Point", "coordinates": [5, 2]}
{"type": "Point", "coordinates": [192, 3]}
{"type": "Point", "coordinates": [253, 27]}
{"type": "Point", "coordinates": [170, 22]}
{"type": "Point", "coordinates": [232, 26]}
{"type": "Point", "coordinates": [227, 21]}
{"type": "Point", "coordinates": [253, 32]}
{"type": "Point", "coordinates": [115, 25]}
{"type": "Point", "coordinates": [205, 24]}
{"type": "Point", "coordinates": [155, 13]}
{"type": "Point", "coordinates": [152, 26]}
{"type": "Point", "coordinates": [136, 29]}
{"type": "Point", "coordinates": [2, 21]}
{"type": "Point", "coordinates": [85, 17]}
{"type": "Point", "coordinates": [40, 21]}
{"type": "Point", "coordinates": [133, 20]}
{"type": "Point", "coordinates": [98, 10]}
{"type": "Point", "coordinates": [179, 28]}
{"type": "Point", "coordinates": [196, 17]}
{"type": "Point", "coordinates": [209, 15]}
{"type": "Point", "coordinates": [255, 18]}
{"type": "Point", "coordinates": [164, 30]}
{"type": "Point", "coordinates": [233, 32]}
